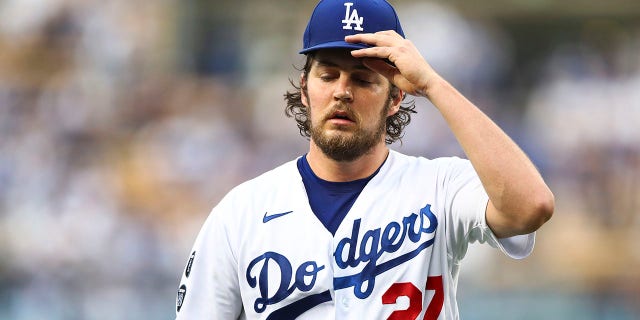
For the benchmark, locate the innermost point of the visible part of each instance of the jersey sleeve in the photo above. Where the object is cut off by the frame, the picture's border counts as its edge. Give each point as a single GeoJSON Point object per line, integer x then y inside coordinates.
{"type": "Point", "coordinates": [466, 203]}
{"type": "Point", "coordinates": [209, 288]}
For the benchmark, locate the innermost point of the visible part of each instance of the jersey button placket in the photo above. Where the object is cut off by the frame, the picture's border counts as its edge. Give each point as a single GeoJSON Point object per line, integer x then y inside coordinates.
{"type": "Point", "coordinates": [345, 302]}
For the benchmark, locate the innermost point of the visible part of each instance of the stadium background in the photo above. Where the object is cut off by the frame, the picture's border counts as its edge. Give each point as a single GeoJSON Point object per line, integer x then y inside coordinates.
{"type": "Point", "coordinates": [123, 122]}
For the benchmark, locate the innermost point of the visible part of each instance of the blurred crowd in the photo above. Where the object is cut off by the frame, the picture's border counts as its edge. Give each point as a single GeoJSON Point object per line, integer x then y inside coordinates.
{"type": "Point", "coordinates": [121, 127]}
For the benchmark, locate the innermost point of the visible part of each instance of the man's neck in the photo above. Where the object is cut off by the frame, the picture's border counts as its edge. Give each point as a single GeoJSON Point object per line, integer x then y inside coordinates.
{"type": "Point", "coordinates": [341, 171]}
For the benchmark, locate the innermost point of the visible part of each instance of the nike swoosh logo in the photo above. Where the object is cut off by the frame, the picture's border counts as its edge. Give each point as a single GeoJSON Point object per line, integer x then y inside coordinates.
{"type": "Point", "coordinates": [268, 218]}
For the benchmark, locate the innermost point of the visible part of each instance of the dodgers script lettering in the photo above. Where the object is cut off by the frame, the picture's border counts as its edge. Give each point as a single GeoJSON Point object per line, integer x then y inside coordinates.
{"type": "Point", "coordinates": [389, 240]}
{"type": "Point", "coordinates": [273, 275]}
{"type": "Point", "coordinates": [306, 270]}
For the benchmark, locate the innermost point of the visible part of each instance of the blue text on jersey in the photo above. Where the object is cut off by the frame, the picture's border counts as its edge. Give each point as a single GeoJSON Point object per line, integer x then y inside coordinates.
{"type": "Point", "coordinates": [308, 269]}
{"type": "Point", "coordinates": [374, 243]}
{"type": "Point", "coordinates": [380, 241]}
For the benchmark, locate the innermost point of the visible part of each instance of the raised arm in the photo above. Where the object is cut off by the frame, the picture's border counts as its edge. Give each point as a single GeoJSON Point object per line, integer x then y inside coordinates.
{"type": "Point", "coordinates": [519, 200]}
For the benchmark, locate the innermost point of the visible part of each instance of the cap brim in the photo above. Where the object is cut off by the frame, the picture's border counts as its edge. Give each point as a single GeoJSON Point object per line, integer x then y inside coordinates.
{"type": "Point", "coordinates": [335, 45]}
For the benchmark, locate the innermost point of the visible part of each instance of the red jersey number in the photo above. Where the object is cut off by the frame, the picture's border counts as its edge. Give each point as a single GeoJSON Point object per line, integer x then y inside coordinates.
{"type": "Point", "coordinates": [407, 289]}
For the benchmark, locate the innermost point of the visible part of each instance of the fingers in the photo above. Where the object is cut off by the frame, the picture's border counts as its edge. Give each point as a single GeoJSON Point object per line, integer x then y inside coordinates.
{"type": "Point", "coordinates": [373, 52]}
{"type": "Point", "coordinates": [380, 38]}
{"type": "Point", "coordinates": [407, 70]}
{"type": "Point", "coordinates": [384, 44]}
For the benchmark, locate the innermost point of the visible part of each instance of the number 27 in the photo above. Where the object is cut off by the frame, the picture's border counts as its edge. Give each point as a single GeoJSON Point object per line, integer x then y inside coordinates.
{"type": "Point", "coordinates": [407, 289]}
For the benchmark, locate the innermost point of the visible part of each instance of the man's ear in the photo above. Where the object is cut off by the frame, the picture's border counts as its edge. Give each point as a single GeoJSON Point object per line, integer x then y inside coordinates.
{"type": "Point", "coordinates": [303, 90]}
{"type": "Point", "coordinates": [397, 96]}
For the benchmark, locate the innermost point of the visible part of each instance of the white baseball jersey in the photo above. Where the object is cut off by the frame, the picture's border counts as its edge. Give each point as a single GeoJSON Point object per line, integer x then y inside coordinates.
{"type": "Point", "coordinates": [263, 254]}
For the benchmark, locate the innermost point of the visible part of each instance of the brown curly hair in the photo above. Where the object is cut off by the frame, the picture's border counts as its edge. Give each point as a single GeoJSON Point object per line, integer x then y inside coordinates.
{"type": "Point", "coordinates": [295, 109]}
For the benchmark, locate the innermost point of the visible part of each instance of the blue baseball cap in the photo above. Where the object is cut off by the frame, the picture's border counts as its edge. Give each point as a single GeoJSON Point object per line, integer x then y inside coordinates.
{"type": "Point", "coordinates": [332, 20]}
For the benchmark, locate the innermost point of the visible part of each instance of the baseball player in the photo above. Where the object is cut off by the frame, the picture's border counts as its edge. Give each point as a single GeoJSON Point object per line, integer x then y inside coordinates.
{"type": "Point", "coordinates": [351, 229]}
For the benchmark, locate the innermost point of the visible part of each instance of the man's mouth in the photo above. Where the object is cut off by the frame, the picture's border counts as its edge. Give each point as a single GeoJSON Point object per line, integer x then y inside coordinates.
{"type": "Point", "coordinates": [341, 117]}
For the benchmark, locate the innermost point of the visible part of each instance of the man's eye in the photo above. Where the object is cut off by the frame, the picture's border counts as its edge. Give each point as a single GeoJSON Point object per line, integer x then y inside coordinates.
{"type": "Point", "coordinates": [327, 77]}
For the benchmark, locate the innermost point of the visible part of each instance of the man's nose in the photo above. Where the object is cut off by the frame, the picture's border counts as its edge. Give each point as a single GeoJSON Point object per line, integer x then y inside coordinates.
{"type": "Point", "coordinates": [343, 90]}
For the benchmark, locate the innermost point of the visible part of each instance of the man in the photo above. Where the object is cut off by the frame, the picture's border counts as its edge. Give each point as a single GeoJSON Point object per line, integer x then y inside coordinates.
{"type": "Point", "coordinates": [345, 230]}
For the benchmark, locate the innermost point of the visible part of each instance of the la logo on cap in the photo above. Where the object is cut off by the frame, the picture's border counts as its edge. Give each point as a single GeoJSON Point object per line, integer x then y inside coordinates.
{"type": "Point", "coordinates": [352, 18]}
{"type": "Point", "coordinates": [332, 20]}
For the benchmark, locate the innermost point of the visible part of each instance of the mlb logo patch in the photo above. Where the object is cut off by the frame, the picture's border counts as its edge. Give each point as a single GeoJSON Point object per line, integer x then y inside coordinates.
{"type": "Point", "coordinates": [182, 292]}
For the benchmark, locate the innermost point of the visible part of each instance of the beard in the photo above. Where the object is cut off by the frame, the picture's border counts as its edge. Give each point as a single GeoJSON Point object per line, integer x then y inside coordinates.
{"type": "Point", "coordinates": [345, 146]}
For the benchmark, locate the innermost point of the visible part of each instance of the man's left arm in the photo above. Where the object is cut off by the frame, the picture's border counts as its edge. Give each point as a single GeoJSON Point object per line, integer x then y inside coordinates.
{"type": "Point", "coordinates": [519, 199]}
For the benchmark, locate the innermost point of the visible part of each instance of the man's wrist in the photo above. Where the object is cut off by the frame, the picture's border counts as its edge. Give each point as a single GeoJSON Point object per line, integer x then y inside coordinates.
{"type": "Point", "coordinates": [433, 85]}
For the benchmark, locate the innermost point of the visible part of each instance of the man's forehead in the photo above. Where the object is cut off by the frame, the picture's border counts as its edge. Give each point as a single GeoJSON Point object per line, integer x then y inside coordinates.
{"type": "Point", "coordinates": [338, 58]}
